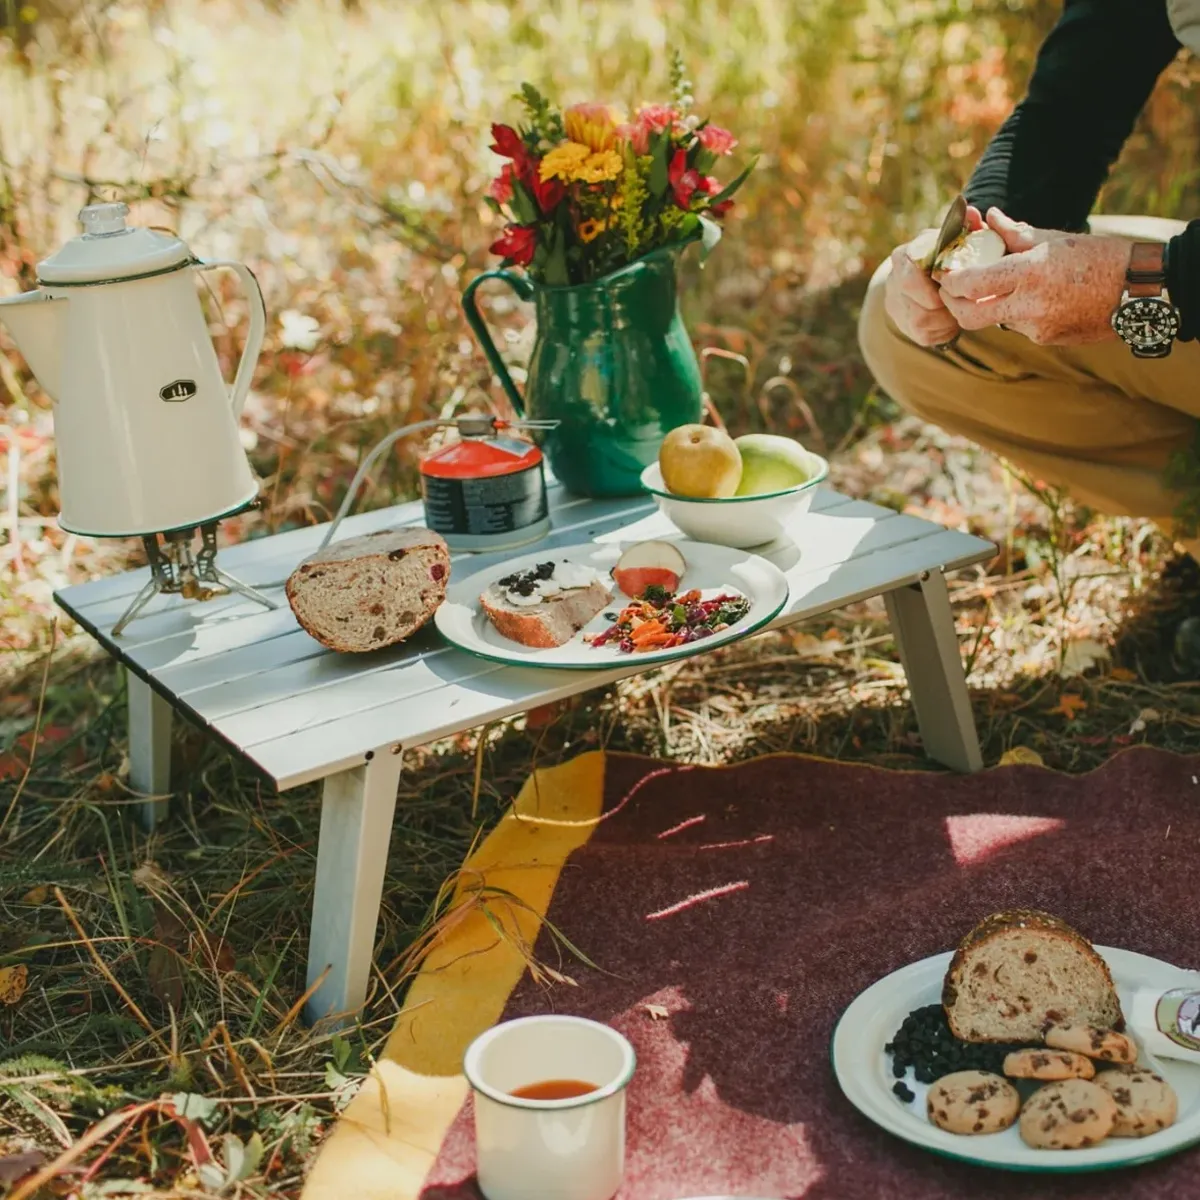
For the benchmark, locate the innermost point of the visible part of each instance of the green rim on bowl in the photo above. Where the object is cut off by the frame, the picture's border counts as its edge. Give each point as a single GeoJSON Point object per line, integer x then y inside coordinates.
{"type": "Point", "coordinates": [821, 472]}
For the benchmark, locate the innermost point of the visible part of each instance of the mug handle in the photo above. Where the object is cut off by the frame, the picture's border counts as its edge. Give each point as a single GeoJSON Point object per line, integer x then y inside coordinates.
{"type": "Point", "coordinates": [257, 331]}
{"type": "Point", "coordinates": [524, 290]}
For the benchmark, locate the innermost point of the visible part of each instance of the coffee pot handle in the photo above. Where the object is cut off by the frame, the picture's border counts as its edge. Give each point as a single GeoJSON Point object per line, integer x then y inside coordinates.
{"type": "Point", "coordinates": [524, 290]}
{"type": "Point", "coordinates": [255, 335]}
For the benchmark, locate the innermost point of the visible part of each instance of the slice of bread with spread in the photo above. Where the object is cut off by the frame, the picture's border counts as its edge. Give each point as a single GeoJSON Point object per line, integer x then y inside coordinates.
{"type": "Point", "coordinates": [372, 591]}
{"type": "Point", "coordinates": [547, 605]}
{"type": "Point", "coordinates": [1020, 970]}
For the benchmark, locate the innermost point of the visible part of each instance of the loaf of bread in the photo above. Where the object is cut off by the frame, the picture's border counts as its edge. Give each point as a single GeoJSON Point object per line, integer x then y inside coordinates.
{"type": "Point", "coordinates": [1018, 971]}
{"type": "Point", "coordinates": [372, 591]}
{"type": "Point", "coordinates": [554, 621]}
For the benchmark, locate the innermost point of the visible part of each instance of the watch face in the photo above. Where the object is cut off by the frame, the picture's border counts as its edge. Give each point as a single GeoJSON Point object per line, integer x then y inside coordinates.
{"type": "Point", "coordinates": [1146, 322]}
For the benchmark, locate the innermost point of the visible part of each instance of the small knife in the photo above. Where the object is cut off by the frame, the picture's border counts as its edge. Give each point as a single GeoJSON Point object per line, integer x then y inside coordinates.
{"type": "Point", "coordinates": [952, 226]}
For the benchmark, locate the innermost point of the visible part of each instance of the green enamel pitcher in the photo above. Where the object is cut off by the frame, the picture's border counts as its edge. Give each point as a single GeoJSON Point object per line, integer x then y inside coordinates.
{"type": "Point", "coordinates": [612, 363]}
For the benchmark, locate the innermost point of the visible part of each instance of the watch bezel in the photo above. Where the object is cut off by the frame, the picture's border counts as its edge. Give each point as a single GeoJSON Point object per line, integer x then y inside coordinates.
{"type": "Point", "coordinates": [1123, 311]}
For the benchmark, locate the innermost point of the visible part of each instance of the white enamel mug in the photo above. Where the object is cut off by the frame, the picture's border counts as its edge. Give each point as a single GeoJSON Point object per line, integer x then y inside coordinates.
{"type": "Point", "coordinates": [571, 1149]}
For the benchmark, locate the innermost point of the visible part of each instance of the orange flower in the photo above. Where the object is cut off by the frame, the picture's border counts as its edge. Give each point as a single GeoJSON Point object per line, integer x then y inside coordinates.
{"type": "Point", "coordinates": [590, 230]}
{"type": "Point", "coordinates": [594, 125]}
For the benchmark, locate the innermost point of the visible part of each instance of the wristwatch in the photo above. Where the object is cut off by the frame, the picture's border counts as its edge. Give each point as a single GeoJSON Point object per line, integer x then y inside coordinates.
{"type": "Point", "coordinates": [1145, 319]}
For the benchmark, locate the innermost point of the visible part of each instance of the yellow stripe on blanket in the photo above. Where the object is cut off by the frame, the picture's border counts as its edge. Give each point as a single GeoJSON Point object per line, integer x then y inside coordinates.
{"type": "Point", "coordinates": [388, 1138]}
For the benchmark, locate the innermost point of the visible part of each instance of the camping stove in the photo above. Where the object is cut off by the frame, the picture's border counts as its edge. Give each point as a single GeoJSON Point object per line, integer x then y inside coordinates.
{"type": "Point", "coordinates": [175, 569]}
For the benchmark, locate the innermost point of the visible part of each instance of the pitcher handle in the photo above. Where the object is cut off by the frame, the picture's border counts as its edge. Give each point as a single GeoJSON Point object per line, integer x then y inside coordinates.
{"type": "Point", "coordinates": [524, 290]}
{"type": "Point", "coordinates": [254, 338]}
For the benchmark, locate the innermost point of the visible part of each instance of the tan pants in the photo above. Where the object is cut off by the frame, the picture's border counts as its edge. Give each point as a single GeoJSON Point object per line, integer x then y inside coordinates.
{"type": "Point", "coordinates": [1092, 419]}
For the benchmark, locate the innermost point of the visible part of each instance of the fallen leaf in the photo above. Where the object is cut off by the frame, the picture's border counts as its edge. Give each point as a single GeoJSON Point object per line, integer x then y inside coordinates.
{"type": "Point", "coordinates": [1122, 675]}
{"type": "Point", "coordinates": [164, 970]}
{"type": "Point", "coordinates": [14, 1167]}
{"type": "Point", "coordinates": [37, 895]}
{"type": "Point", "coordinates": [1021, 755]}
{"type": "Point", "coordinates": [149, 876]}
{"type": "Point", "coordinates": [1081, 656]}
{"type": "Point", "coordinates": [544, 714]}
{"type": "Point", "coordinates": [656, 1012]}
{"type": "Point", "coordinates": [13, 982]}
{"type": "Point", "coordinates": [1069, 706]}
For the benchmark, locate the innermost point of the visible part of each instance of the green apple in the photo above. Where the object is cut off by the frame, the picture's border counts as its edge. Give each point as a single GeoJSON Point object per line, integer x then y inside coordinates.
{"type": "Point", "coordinates": [770, 463]}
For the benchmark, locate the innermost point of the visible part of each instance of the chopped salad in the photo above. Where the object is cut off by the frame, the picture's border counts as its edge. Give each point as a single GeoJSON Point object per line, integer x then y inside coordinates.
{"type": "Point", "coordinates": [662, 620]}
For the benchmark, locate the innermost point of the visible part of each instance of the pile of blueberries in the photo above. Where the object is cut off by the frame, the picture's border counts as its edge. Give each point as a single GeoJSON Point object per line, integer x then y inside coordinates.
{"type": "Point", "coordinates": [925, 1043]}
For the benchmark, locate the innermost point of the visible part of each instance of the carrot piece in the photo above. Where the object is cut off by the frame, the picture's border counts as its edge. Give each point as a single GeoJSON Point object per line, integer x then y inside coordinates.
{"type": "Point", "coordinates": [647, 629]}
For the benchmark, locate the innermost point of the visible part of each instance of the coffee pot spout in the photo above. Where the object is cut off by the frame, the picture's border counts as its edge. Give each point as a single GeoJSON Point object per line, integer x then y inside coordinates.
{"type": "Point", "coordinates": [35, 321]}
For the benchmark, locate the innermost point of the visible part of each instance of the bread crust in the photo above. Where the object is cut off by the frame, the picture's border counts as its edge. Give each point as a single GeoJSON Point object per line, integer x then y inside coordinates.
{"type": "Point", "coordinates": [1003, 922]}
{"type": "Point", "coordinates": [378, 550]}
{"type": "Point", "coordinates": [534, 627]}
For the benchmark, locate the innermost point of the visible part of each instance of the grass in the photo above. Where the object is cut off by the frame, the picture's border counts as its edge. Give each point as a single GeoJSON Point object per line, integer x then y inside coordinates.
{"type": "Point", "coordinates": [149, 983]}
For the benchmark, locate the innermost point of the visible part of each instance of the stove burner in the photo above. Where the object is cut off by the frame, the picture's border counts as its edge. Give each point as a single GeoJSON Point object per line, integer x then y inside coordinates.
{"type": "Point", "coordinates": [174, 569]}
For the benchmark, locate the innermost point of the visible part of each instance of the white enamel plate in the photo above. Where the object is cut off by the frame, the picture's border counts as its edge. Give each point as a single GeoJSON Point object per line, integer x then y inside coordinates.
{"type": "Point", "coordinates": [864, 1071]}
{"type": "Point", "coordinates": [712, 569]}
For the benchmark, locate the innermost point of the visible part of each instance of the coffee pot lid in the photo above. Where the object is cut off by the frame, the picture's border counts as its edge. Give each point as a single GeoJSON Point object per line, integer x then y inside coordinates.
{"type": "Point", "coordinates": [109, 250]}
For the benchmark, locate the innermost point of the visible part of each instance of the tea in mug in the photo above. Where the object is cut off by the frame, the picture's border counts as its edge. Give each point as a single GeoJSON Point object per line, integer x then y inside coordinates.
{"type": "Point", "coordinates": [553, 1089]}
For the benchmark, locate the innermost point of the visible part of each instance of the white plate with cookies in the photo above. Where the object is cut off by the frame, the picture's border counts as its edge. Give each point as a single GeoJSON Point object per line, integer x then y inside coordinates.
{"type": "Point", "coordinates": [864, 1071]}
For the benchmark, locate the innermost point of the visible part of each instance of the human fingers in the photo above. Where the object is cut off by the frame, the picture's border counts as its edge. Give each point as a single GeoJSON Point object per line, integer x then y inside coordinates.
{"type": "Point", "coordinates": [1017, 235]}
{"type": "Point", "coordinates": [978, 283]}
{"type": "Point", "coordinates": [974, 218]}
{"type": "Point", "coordinates": [931, 328]}
{"type": "Point", "coordinates": [913, 282]}
{"type": "Point", "coordinates": [980, 314]}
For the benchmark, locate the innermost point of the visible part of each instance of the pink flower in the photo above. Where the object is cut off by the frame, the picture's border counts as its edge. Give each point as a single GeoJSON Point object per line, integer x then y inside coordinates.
{"type": "Point", "coordinates": [501, 188]}
{"type": "Point", "coordinates": [717, 140]}
{"type": "Point", "coordinates": [710, 185]}
{"type": "Point", "coordinates": [651, 119]}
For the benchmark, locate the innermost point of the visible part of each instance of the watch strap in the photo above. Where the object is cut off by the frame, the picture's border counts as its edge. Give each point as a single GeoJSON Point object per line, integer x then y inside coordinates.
{"type": "Point", "coordinates": [1146, 274]}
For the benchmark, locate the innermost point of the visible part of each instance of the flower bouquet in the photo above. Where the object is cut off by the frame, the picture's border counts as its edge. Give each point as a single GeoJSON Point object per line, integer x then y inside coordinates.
{"type": "Point", "coordinates": [586, 191]}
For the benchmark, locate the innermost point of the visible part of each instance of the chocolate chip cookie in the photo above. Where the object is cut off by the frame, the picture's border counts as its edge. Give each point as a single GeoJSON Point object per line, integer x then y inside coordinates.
{"type": "Point", "coordinates": [1070, 1115]}
{"type": "Point", "coordinates": [973, 1102]}
{"type": "Point", "coordinates": [1048, 1065]}
{"type": "Point", "coordinates": [1146, 1102]}
{"type": "Point", "coordinates": [1104, 1044]}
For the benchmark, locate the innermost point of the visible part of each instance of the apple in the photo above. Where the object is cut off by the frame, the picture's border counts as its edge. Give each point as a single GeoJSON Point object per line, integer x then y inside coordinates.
{"type": "Point", "coordinates": [700, 461]}
{"type": "Point", "coordinates": [647, 564]}
{"type": "Point", "coordinates": [971, 248]}
{"type": "Point", "coordinates": [982, 248]}
{"type": "Point", "coordinates": [771, 463]}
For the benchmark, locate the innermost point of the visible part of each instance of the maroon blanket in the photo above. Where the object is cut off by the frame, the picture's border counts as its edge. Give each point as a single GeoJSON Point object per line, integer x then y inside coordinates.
{"type": "Point", "coordinates": [753, 903]}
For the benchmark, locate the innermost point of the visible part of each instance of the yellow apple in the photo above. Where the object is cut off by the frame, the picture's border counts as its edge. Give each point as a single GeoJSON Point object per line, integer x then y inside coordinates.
{"type": "Point", "coordinates": [700, 461]}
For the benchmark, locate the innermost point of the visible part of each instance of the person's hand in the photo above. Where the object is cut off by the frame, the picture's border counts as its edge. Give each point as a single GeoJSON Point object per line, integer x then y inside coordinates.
{"type": "Point", "coordinates": [914, 302]}
{"type": "Point", "coordinates": [1058, 289]}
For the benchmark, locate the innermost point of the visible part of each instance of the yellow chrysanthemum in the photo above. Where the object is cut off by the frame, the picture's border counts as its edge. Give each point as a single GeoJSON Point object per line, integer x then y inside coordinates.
{"type": "Point", "coordinates": [564, 162]}
{"type": "Point", "coordinates": [594, 125]}
{"type": "Point", "coordinates": [590, 230]}
{"type": "Point", "coordinates": [600, 167]}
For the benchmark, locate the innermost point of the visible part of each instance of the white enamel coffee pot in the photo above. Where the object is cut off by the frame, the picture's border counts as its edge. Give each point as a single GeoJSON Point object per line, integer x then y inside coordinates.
{"type": "Point", "coordinates": [146, 430]}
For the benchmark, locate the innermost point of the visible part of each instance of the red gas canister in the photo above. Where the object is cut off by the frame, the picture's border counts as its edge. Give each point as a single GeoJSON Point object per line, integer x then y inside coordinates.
{"type": "Point", "coordinates": [487, 491]}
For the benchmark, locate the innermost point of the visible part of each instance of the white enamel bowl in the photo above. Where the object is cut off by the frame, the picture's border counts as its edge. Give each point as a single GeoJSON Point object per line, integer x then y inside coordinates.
{"type": "Point", "coordinates": [738, 521]}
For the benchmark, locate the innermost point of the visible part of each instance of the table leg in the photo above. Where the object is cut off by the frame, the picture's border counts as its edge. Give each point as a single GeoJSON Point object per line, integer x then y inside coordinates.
{"type": "Point", "coordinates": [149, 748]}
{"type": "Point", "coordinates": [923, 625]}
{"type": "Point", "coordinates": [357, 807]}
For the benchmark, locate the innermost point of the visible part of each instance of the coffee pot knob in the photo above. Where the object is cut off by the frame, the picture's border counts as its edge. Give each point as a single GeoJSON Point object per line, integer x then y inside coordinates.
{"type": "Point", "coordinates": [99, 220]}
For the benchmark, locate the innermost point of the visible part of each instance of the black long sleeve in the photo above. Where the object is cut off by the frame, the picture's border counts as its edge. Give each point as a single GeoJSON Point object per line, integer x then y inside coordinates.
{"type": "Point", "coordinates": [1047, 163]}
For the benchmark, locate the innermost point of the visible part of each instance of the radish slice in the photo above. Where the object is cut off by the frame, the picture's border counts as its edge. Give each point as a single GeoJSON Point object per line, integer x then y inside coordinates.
{"type": "Point", "coordinates": [649, 564]}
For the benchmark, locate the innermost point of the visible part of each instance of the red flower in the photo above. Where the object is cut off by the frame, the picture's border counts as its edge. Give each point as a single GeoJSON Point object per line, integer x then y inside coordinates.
{"type": "Point", "coordinates": [717, 140]}
{"type": "Point", "coordinates": [685, 181]}
{"type": "Point", "coordinates": [508, 143]}
{"type": "Point", "coordinates": [547, 192]}
{"type": "Point", "coordinates": [501, 188]}
{"type": "Point", "coordinates": [710, 185]}
{"type": "Point", "coordinates": [517, 243]}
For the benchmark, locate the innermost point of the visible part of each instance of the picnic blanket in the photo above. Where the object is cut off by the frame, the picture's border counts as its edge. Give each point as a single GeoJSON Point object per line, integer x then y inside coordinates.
{"type": "Point", "coordinates": [732, 914]}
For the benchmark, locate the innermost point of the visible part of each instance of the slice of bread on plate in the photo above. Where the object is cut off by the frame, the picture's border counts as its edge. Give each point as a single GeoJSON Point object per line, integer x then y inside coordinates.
{"type": "Point", "coordinates": [1020, 970]}
{"type": "Point", "coordinates": [553, 621]}
{"type": "Point", "coordinates": [371, 591]}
